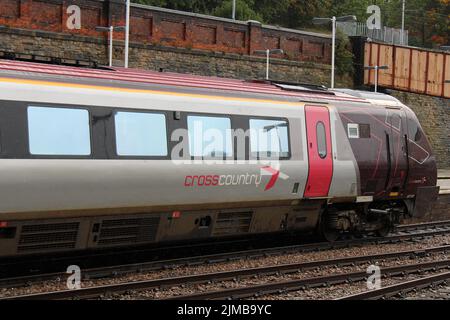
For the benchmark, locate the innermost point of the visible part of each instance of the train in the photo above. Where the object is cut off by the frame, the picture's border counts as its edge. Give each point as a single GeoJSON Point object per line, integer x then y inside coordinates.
{"type": "Point", "coordinates": [94, 158]}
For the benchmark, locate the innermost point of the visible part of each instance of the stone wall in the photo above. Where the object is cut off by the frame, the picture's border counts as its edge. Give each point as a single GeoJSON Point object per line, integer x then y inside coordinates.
{"type": "Point", "coordinates": [152, 25]}
{"type": "Point", "coordinates": [167, 58]}
{"type": "Point", "coordinates": [439, 211]}
{"type": "Point", "coordinates": [434, 115]}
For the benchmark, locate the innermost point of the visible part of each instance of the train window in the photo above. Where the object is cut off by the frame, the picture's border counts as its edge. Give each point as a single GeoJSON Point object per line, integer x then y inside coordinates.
{"type": "Point", "coordinates": [140, 134]}
{"type": "Point", "coordinates": [210, 136]}
{"type": "Point", "coordinates": [321, 140]}
{"type": "Point", "coordinates": [269, 138]}
{"type": "Point", "coordinates": [364, 130]}
{"type": "Point", "coordinates": [353, 130]}
{"type": "Point", "coordinates": [58, 131]}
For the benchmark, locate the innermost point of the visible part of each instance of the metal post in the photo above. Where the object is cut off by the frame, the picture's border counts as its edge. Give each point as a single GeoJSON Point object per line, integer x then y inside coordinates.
{"type": "Point", "coordinates": [267, 63]}
{"type": "Point", "coordinates": [376, 78]}
{"type": "Point", "coordinates": [127, 32]}
{"type": "Point", "coordinates": [403, 23]}
{"type": "Point", "coordinates": [333, 51]}
{"type": "Point", "coordinates": [111, 37]}
{"type": "Point", "coordinates": [233, 15]}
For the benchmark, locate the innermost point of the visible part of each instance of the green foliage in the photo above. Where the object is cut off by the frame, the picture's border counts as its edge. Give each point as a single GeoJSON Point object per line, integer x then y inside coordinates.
{"type": "Point", "coordinates": [156, 3]}
{"type": "Point", "coordinates": [300, 12]}
{"type": "Point", "coordinates": [426, 20]}
{"type": "Point", "coordinates": [272, 13]}
{"type": "Point", "coordinates": [357, 8]}
{"type": "Point", "coordinates": [344, 55]}
{"type": "Point", "coordinates": [198, 6]}
{"type": "Point", "coordinates": [244, 10]}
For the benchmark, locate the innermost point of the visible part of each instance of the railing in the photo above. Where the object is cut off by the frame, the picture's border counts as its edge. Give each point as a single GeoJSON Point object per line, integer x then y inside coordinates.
{"type": "Point", "coordinates": [386, 34]}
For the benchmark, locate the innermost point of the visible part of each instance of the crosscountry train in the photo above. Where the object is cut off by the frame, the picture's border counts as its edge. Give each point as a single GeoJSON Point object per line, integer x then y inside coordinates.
{"type": "Point", "coordinates": [97, 158]}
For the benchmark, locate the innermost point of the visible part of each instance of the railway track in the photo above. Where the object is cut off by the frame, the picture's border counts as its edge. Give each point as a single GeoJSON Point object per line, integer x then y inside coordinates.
{"type": "Point", "coordinates": [423, 225]}
{"type": "Point", "coordinates": [403, 233]}
{"type": "Point", "coordinates": [303, 284]}
{"type": "Point", "coordinates": [401, 288]}
{"type": "Point", "coordinates": [250, 291]}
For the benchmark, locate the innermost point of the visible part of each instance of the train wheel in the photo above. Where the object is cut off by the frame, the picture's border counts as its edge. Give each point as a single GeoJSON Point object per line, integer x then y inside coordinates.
{"type": "Point", "coordinates": [386, 227]}
{"type": "Point", "coordinates": [328, 228]}
{"type": "Point", "coordinates": [384, 231]}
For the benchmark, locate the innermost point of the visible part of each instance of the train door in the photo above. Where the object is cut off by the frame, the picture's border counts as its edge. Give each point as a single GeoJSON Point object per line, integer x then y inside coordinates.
{"type": "Point", "coordinates": [397, 150]}
{"type": "Point", "coordinates": [320, 155]}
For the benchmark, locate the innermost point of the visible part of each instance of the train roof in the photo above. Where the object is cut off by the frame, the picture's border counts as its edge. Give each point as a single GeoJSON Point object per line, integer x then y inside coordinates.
{"type": "Point", "coordinates": [373, 97]}
{"type": "Point", "coordinates": [168, 81]}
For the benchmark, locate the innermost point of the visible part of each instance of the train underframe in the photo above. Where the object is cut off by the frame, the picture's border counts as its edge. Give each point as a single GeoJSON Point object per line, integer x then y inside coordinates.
{"type": "Point", "coordinates": [380, 218]}
{"type": "Point", "coordinates": [333, 221]}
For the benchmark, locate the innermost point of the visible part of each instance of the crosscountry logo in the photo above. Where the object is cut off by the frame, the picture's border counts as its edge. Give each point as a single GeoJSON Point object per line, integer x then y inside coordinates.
{"type": "Point", "coordinates": [211, 180]}
{"type": "Point", "coordinates": [275, 174]}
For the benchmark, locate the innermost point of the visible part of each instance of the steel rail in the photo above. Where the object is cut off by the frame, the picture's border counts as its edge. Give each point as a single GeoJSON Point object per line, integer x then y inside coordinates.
{"type": "Point", "coordinates": [400, 288]}
{"type": "Point", "coordinates": [302, 284]}
{"type": "Point", "coordinates": [91, 292]}
{"type": "Point", "coordinates": [421, 225]}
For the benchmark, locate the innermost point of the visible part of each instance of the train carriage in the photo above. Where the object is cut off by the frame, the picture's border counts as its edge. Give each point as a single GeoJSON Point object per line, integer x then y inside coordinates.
{"type": "Point", "coordinates": [97, 158]}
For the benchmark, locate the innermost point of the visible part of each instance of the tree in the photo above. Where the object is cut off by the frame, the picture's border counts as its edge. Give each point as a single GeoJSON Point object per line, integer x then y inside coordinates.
{"type": "Point", "coordinates": [344, 55]}
{"type": "Point", "coordinates": [301, 12]}
{"type": "Point", "coordinates": [357, 8]}
{"type": "Point", "coordinates": [271, 13]}
{"type": "Point", "coordinates": [426, 20]}
{"type": "Point", "coordinates": [244, 10]}
{"type": "Point", "coordinates": [198, 6]}
{"type": "Point", "coordinates": [156, 3]}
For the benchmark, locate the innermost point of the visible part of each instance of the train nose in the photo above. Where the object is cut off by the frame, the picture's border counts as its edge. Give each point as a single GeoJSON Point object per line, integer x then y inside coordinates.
{"type": "Point", "coordinates": [431, 176]}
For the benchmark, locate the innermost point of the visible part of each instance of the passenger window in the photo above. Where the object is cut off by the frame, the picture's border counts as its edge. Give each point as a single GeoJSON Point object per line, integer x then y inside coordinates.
{"type": "Point", "coordinates": [140, 134]}
{"type": "Point", "coordinates": [58, 131]}
{"type": "Point", "coordinates": [358, 130]}
{"type": "Point", "coordinates": [210, 137]}
{"type": "Point", "coordinates": [269, 138]}
{"type": "Point", "coordinates": [364, 130]}
{"type": "Point", "coordinates": [321, 140]}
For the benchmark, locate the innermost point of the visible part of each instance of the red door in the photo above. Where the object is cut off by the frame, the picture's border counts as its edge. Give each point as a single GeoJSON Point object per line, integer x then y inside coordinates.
{"type": "Point", "coordinates": [319, 151]}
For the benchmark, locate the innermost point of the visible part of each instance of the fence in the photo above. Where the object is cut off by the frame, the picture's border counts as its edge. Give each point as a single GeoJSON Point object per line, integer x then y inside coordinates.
{"type": "Point", "coordinates": [386, 34]}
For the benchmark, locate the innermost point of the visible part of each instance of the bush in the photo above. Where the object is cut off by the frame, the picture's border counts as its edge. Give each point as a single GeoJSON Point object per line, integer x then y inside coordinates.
{"type": "Point", "coordinates": [344, 55]}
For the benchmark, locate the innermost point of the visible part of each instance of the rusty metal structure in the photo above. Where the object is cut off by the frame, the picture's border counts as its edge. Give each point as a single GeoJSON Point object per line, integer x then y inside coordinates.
{"type": "Point", "coordinates": [410, 69]}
